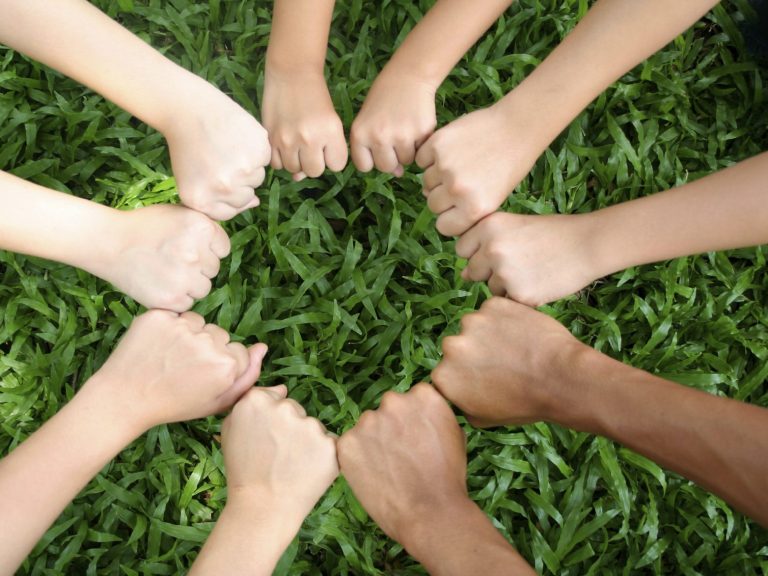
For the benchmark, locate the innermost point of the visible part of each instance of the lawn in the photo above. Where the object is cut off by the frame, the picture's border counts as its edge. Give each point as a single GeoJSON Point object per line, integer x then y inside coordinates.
{"type": "Point", "coordinates": [348, 282]}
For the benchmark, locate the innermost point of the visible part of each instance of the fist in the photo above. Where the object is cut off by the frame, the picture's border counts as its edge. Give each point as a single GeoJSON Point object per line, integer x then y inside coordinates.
{"type": "Point", "coordinates": [397, 117]}
{"type": "Point", "coordinates": [273, 451]}
{"type": "Point", "coordinates": [531, 259]}
{"type": "Point", "coordinates": [405, 460]}
{"type": "Point", "coordinates": [509, 364]}
{"type": "Point", "coordinates": [170, 368]}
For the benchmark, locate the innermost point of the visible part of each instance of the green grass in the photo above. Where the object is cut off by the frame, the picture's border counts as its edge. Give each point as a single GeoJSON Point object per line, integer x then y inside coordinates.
{"type": "Point", "coordinates": [348, 282]}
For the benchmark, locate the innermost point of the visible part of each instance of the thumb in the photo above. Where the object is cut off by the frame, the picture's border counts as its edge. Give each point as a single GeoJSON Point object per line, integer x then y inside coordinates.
{"type": "Point", "coordinates": [248, 378]}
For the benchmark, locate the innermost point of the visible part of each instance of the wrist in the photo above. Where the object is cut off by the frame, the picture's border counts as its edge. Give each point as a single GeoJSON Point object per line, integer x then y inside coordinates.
{"type": "Point", "coordinates": [394, 73]}
{"type": "Point", "coordinates": [103, 397]}
{"type": "Point", "coordinates": [265, 513]}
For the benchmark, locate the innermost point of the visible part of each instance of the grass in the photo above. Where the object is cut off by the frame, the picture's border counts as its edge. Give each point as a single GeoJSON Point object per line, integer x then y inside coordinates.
{"type": "Point", "coordinates": [348, 282]}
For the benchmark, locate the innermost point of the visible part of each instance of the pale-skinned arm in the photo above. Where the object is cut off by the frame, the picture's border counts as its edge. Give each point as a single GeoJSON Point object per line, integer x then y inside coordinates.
{"type": "Point", "coordinates": [538, 259]}
{"type": "Point", "coordinates": [167, 368]}
{"type": "Point", "coordinates": [279, 462]}
{"type": "Point", "coordinates": [218, 150]}
{"type": "Point", "coordinates": [513, 365]}
{"type": "Point", "coordinates": [162, 256]}
{"type": "Point", "coordinates": [407, 464]}
{"type": "Point", "coordinates": [474, 163]}
{"type": "Point", "coordinates": [399, 112]}
{"type": "Point", "coordinates": [306, 133]}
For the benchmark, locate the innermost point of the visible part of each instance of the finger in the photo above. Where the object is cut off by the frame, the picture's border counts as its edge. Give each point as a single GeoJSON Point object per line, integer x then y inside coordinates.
{"type": "Point", "coordinates": [425, 157]}
{"type": "Point", "coordinates": [241, 196]}
{"type": "Point", "coordinates": [278, 392]}
{"type": "Point", "coordinates": [247, 379]}
{"type": "Point", "coordinates": [478, 269]}
{"type": "Point", "coordinates": [209, 264]}
{"type": "Point", "coordinates": [200, 287]}
{"type": "Point", "coordinates": [241, 356]}
{"type": "Point", "coordinates": [496, 285]}
{"type": "Point", "coordinates": [336, 153]}
{"type": "Point", "coordinates": [439, 200]}
{"type": "Point", "coordinates": [277, 160]}
{"type": "Point", "coordinates": [217, 334]}
{"type": "Point", "coordinates": [405, 152]}
{"type": "Point", "coordinates": [220, 245]}
{"type": "Point", "coordinates": [469, 243]}
{"type": "Point", "coordinates": [194, 320]}
{"type": "Point", "coordinates": [291, 160]}
{"type": "Point", "coordinates": [255, 202]}
{"type": "Point", "coordinates": [431, 178]}
{"type": "Point", "coordinates": [298, 177]}
{"type": "Point", "coordinates": [312, 161]}
{"type": "Point", "coordinates": [255, 179]}
{"type": "Point", "coordinates": [452, 222]}
{"type": "Point", "coordinates": [362, 158]}
{"type": "Point", "coordinates": [296, 406]}
{"type": "Point", "coordinates": [385, 159]}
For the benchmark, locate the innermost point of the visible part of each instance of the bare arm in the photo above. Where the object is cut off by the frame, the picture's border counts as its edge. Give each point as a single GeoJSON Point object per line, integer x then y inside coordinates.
{"type": "Point", "coordinates": [166, 368]}
{"type": "Point", "coordinates": [218, 150]}
{"type": "Point", "coordinates": [718, 443]}
{"type": "Point", "coordinates": [306, 133]}
{"type": "Point", "coordinates": [474, 163]}
{"type": "Point", "coordinates": [399, 111]}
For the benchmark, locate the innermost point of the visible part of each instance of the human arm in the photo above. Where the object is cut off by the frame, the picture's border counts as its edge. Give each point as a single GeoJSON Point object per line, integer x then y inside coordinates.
{"type": "Point", "coordinates": [474, 163]}
{"type": "Point", "coordinates": [306, 133]}
{"type": "Point", "coordinates": [218, 150]}
{"type": "Point", "coordinates": [167, 368]}
{"type": "Point", "coordinates": [538, 259]}
{"type": "Point", "coordinates": [162, 256]}
{"type": "Point", "coordinates": [514, 365]}
{"type": "Point", "coordinates": [279, 462]}
{"type": "Point", "coordinates": [399, 112]}
{"type": "Point", "coordinates": [407, 464]}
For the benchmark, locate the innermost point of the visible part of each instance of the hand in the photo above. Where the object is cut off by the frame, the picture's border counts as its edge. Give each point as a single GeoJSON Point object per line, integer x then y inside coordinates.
{"type": "Point", "coordinates": [218, 152]}
{"type": "Point", "coordinates": [531, 259]}
{"type": "Point", "coordinates": [306, 133]}
{"type": "Point", "coordinates": [510, 365]}
{"type": "Point", "coordinates": [406, 461]}
{"type": "Point", "coordinates": [163, 256]}
{"type": "Point", "coordinates": [473, 164]}
{"type": "Point", "coordinates": [397, 117]}
{"type": "Point", "coordinates": [274, 453]}
{"type": "Point", "coordinates": [170, 368]}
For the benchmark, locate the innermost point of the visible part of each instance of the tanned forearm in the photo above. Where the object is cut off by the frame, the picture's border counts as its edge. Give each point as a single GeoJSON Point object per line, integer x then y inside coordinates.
{"type": "Point", "coordinates": [720, 444]}
{"type": "Point", "coordinates": [298, 40]}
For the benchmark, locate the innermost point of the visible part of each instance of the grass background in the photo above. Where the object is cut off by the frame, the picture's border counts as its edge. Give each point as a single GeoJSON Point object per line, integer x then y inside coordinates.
{"type": "Point", "coordinates": [352, 288]}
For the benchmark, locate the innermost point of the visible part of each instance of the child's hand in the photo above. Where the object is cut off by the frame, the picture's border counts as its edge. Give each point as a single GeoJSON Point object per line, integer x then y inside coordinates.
{"type": "Point", "coordinates": [218, 153]}
{"type": "Point", "coordinates": [397, 117]}
{"type": "Point", "coordinates": [164, 256]}
{"type": "Point", "coordinates": [306, 133]}
{"type": "Point", "coordinates": [473, 164]}
{"type": "Point", "coordinates": [531, 259]}
{"type": "Point", "coordinates": [170, 368]}
{"type": "Point", "coordinates": [277, 456]}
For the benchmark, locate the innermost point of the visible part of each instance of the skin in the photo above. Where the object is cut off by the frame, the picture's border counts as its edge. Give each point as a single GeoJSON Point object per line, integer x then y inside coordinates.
{"type": "Point", "coordinates": [716, 442]}
{"type": "Point", "coordinates": [399, 112]}
{"type": "Point", "coordinates": [407, 464]}
{"type": "Point", "coordinates": [167, 368]}
{"type": "Point", "coordinates": [538, 259]}
{"type": "Point", "coordinates": [306, 133]}
{"type": "Point", "coordinates": [162, 256]}
{"type": "Point", "coordinates": [473, 164]}
{"type": "Point", "coordinates": [218, 150]}
{"type": "Point", "coordinates": [279, 463]}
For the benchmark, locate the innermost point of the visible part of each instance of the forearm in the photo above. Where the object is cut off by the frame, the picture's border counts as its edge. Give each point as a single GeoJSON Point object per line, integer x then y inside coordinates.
{"type": "Point", "coordinates": [49, 469]}
{"type": "Point", "coordinates": [725, 210]}
{"type": "Point", "coordinates": [298, 40]}
{"type": "Point", "coordinates": [40, 222]}
{"type": "Point", "coordinates": [77, 39]}
{"type": "Point", "coordinates": [442, 37]}
{"type": "Point", "coordinates": [248, 539]}
{"type": "Point", "coordinates": [458, 540]}
{"type": "Point", "coordinates": [720, 444]}
{"type": "Point", "coordinates": [613, 37]}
